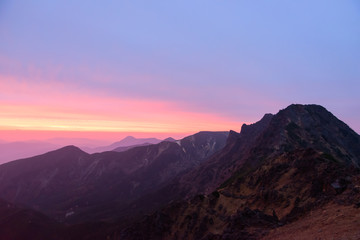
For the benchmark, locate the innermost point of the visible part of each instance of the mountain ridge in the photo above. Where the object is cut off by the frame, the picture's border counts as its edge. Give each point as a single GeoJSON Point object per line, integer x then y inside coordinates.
{"type": "Point", "coordinates": [124, 143]}
{"type": "Point", "coordinates": [69, 180]}
{"type": "Point", "coordinates": [284, 172]}
{"type": "Point", "coordinates": [285, 169]}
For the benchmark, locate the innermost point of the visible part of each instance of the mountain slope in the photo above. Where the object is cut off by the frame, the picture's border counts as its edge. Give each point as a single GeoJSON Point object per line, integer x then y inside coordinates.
{"type": "Point", "coordinates": [71, 185]}
{"type": "Point", "coordinates": [18, 223]}
{"type": "Point", "coordinates": [126, 142]}
{"type": "Point", "coordinates": [273, 173]}
{"type": "Point", "coordinates": [37, 181]}
{"type": "Point", "coordinates": [123, 149]}
{"type": "Point", "coordinates": [296, 127]}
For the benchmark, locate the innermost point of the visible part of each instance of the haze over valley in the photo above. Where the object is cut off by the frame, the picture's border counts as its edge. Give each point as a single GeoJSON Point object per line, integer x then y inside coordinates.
{"type": "Point", "coordinates": [252, 184]}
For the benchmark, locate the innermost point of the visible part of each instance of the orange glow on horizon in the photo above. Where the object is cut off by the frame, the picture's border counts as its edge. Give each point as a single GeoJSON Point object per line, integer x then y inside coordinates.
{"type": "Point", "coordinates": [106, 137]}
{"type": "Point", "coordinates": [58, 108]}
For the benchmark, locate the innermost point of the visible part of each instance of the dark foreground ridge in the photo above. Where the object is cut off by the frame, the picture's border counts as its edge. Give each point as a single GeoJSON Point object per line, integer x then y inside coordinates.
{"type": "Point", "coordinates": [299, 167]}
{"type": "Point", "coordinates": [274, 173]}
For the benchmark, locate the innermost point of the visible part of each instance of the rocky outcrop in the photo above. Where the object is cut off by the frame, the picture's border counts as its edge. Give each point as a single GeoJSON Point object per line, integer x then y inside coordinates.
{"type": "Point", "coordinates": [271, 174]}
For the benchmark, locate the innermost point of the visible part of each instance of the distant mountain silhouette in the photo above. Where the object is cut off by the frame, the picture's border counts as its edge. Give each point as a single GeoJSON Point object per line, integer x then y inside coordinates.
{"type": "Point", "coordinates": [126, 142]}
{"type": "Point", "coordinates": [71, 185]}
{"type": "Point", "coordinates": [80, 142]}
{"type": "Point", "coordinates": [10, 151]}
{"type": "Point", "coordinates": [24, 149]}
{"type": "Point", "coordinates": [169, 139]}
{"type": "Point", "coordinates": [146, 141]}
{"type": "Point", "coordinates": [123, 149]}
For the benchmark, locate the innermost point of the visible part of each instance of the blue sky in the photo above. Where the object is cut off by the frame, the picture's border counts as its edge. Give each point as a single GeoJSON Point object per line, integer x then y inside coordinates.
{"type": "Point", "coordinates": [235, 60]}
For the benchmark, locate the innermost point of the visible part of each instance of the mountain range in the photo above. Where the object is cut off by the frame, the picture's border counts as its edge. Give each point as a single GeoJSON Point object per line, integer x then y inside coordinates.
{"type": "Point", "coordinates": [292, 175]}
{"type": "Point", "coordinates": [10, 150]}
{"type": "Point", "coordinates": [124, 144]}
{"type": "Point", "coordinates": [71, 185]}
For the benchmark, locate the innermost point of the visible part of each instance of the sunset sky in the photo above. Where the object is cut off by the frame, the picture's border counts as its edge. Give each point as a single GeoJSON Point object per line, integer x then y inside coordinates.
{"type": "Point", "coordinates": [107, 69]}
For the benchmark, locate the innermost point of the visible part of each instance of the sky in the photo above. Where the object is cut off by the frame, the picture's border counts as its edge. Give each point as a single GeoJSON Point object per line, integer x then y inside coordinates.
{"type": "Point", "coordinates": [107, 69]}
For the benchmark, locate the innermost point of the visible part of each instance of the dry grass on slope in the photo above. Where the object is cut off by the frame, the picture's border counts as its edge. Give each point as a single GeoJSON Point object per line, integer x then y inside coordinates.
{"type": "Point", "coordinates": [331, 221]}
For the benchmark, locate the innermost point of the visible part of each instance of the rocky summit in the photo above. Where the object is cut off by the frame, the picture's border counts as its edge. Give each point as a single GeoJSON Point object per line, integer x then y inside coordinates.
{"type": "Point", "coordinates": [287, 168]}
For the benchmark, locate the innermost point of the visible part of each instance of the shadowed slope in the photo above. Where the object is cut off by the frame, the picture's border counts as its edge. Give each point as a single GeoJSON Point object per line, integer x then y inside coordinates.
{"type": "Point", "coordinates": [18, 223]}
{"type": "Point", "coordinates": [73, 186]}
{"type": "Point", "coordinates": [296, 161]}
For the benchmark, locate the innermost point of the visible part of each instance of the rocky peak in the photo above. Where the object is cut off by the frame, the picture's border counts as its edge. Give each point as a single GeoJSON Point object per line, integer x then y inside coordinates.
{"type": "Point", "coordinates": [305, 115]}
{"type": "Point", "coordinates": [312, 126]}
{"type": "Point", "coordinates": [270, 174]}
{"type": "Point", "coordinates": [232, 137]}
{"type": "Point", "coordinates": [249, 131]}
